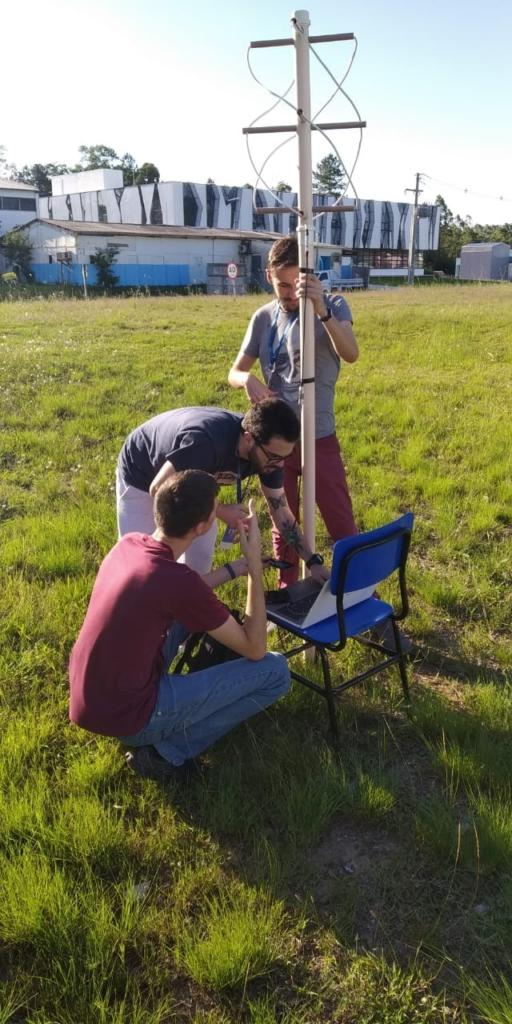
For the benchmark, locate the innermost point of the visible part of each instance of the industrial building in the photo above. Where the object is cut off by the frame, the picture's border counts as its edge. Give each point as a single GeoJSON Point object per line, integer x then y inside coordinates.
{"type": "Point", "coordinates": [485, 261]}
{"type": "Point", "coordinates": [197, 228]}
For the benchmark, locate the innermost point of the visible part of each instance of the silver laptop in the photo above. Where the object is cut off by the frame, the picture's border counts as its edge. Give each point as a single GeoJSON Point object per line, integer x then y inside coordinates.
{"type": "Point", "coordinates": [307, 602]}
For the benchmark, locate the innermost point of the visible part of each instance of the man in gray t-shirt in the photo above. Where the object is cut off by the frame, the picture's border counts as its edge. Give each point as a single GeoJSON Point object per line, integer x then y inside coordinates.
{"type": "Point", "coordinates": [272, 338]}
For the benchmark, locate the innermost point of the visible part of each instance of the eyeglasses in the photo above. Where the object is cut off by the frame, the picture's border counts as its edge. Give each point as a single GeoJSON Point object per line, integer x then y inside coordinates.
{"type": "Point", "coordinates": [272, 457]}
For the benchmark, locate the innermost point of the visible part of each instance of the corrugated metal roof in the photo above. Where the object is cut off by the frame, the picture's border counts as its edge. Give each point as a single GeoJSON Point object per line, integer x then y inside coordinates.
{"type": "Point", "coordinates": [7, 183]}
{"type": "Point", "coordinates": [78, 227]}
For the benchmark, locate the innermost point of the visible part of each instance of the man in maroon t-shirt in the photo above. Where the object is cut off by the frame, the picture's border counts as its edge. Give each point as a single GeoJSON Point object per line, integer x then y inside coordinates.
{"type": "Point", "coordinates": [142, 602]}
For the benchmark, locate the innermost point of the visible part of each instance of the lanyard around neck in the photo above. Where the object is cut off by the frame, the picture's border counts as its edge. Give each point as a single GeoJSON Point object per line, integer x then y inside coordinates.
{"type": "Point", "coordinates": [273, 349]}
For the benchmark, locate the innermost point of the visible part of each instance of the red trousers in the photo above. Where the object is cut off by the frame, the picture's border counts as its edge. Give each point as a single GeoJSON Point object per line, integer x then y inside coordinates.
{"type": "Point", "coordinates": [332, 497]}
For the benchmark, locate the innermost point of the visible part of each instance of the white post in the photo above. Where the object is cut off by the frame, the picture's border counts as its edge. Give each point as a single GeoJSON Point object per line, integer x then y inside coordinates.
{"type": "Point", "coordinates": [84, 279]}
{"type": "Point", "coordinates": [301, 23]}
{"type": "Point", "coordinates": [412, 234]}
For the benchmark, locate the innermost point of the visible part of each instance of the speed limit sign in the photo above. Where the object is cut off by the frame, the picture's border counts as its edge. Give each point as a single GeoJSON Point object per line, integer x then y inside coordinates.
{"type": "Point", "coordinates": [232, 271]}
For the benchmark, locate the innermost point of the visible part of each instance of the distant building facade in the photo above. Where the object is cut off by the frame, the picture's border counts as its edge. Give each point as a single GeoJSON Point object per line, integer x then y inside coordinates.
{"type": "Point", "coordinates": [149, 256]}
{"type": "Point", "coordinates": [376, 233]}
{"type": "Point", "coordinates": [19, 203]}
{"type": "Point", "coordinates": [225, 223]}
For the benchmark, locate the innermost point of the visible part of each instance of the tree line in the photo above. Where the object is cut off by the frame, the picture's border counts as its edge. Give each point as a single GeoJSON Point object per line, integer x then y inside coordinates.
{"type": "Point", "coordinates": [457, 231]}
{"type": "Point", "coordinates": [91, 158]}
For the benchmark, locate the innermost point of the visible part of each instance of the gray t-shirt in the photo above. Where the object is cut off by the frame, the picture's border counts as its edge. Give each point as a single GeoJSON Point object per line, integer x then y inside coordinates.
{"type": "Point", "coordinates": [273, 337]}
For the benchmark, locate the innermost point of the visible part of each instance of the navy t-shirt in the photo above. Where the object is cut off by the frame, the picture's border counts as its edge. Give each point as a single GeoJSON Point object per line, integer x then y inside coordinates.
{"type": "Point", "coordinates": [196, 437]}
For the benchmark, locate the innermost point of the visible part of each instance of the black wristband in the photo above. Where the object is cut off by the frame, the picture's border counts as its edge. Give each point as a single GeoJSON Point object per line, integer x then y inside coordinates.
{"type": "Point", "coordinates": [230, 571]}
{"type": "Point", "coordinates": [314, 559]}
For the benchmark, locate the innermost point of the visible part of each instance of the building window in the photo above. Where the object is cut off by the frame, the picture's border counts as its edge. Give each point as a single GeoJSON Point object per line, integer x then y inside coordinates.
{"type": "Point", "coordinates": [15, 203]}
{"type": "Point", "coordinates": [102, 213]}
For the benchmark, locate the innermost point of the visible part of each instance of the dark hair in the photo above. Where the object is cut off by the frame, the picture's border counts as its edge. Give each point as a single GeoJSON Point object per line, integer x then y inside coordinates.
{"type": "Point", "coordinates": [184, 501]}
{"type": "Point", "coordinates": [284, 253]}
{"type": "Point", "coordinates": [272, 417]}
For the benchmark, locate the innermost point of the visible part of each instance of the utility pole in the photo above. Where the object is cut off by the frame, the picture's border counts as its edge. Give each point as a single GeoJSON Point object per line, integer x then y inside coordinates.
{"type": "Point", "coordinates": [412, 236]}
{"type": "Point", "coordinates": [305, 232]}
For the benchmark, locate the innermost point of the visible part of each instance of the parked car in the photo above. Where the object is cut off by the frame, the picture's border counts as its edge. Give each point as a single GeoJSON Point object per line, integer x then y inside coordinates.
{"type": "Point", "coordinates": [330, 279]}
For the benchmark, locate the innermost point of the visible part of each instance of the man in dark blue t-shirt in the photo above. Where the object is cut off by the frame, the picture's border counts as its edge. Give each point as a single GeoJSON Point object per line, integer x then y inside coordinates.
{"type": "Point", "coordinates": [229, 446]}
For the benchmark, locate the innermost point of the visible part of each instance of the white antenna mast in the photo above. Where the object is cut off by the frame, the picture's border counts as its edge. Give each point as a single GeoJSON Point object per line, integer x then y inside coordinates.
{"type": "Point", "coordinates": [304, 127]}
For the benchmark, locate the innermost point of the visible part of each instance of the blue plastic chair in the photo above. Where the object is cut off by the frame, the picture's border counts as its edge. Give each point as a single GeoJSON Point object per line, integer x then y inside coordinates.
{"type": "Point", "coordinates": [359, 563]}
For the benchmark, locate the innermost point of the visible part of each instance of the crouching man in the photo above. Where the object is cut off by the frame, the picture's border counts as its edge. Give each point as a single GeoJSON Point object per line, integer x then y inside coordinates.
{"type": "Point", "coordinates": [143, 603]}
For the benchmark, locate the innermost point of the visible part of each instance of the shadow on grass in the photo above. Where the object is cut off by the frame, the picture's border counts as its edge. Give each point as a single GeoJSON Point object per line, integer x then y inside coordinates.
{"type": "Point", "coordinates": [366, 841]}
{"type": "Point", "coordinates": [440, 652]}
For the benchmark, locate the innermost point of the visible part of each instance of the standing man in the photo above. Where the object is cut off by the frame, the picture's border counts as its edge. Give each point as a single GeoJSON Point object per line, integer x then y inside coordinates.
{"type": "Point", "coordinates": [272, 337]}
{"type": "Point", "coordinates": [119, 679]}
{"type": "Point", "coordinates": [230, 446]}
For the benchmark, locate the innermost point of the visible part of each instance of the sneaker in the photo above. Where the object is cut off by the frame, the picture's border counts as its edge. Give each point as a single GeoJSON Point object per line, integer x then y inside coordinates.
{"type": "Point", "coordinates": [147, 762]}
{"type": "Point", "coordinates": [383, 634]}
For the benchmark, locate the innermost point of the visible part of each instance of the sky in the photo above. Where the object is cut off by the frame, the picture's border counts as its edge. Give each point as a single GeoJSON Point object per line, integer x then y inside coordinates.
{"type": "Point", "coordinates": [169, 82]}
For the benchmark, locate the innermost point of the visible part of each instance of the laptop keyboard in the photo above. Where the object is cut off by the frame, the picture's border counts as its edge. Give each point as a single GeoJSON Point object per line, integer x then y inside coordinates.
{"type": "Point", "coordinates": [297, 610]}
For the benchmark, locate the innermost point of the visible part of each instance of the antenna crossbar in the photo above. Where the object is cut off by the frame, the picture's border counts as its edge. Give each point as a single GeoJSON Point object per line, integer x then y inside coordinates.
{"type": "Point", "coordinates": [329, 126]}
{"type": "Point", "coordinates": [338, 37]}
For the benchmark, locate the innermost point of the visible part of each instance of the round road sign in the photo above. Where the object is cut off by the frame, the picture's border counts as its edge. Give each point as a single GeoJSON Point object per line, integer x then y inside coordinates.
{"type": "Point", "coordinates": [232, 271]}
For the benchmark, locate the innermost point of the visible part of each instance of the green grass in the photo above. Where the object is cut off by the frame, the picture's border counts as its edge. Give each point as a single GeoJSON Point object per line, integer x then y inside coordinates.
{"type": "Point", "coordinates": [294, 883]}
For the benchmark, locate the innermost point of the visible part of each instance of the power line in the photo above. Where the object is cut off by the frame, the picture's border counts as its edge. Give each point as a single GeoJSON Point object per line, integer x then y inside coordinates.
{"type": "Point", "coordinates": [468, 191]}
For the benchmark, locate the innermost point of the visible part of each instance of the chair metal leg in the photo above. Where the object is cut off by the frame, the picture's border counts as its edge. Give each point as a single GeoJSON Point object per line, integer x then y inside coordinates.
{"type": "Point", "coordinates": [329, 696]}
{"type": "Point", "coordinates": [401, 661]}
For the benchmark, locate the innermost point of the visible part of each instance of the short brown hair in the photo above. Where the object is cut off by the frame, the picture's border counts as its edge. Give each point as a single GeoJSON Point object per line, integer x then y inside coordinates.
{"type": "Point", "coordinates": [284, 253]}
{"type": "Point", "coordinates": [184, 501]}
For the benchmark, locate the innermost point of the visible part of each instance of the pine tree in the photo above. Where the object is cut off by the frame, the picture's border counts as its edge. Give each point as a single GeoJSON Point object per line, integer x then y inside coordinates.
{"type": "Point", "coordinates": [329, 177]}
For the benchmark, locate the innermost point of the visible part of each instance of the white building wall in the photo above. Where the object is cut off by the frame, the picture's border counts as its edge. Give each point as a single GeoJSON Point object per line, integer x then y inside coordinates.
{"type": "Point", "coordinates": [76, 206]}
{"type": "Point", "coordinates": [375, 224]}
{"type": "Point", "coordinates": [108, 199]}
{"type": "Point", "coordinates": [195, 252]}
{"type": "Point", "coordinates": [171, 202]}
{"type": "Point", "coordinates": [10, 219]}
{"type": "Point", "coordinates": [86, 181]}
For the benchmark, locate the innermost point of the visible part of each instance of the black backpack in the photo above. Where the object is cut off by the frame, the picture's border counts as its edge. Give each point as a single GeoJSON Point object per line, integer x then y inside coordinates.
{"type": "Point", "coordinates": [201, 651]}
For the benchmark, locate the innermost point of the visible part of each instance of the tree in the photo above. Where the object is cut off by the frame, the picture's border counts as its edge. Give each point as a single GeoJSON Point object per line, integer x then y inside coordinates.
{"type": "Point", "coordinates": [128, 165]}
{"type": "Point", "coordinates": [94, 157]}
{"type": "Point", "coordinates": [282, 187]}
{"type": "Point", "coordinates": [17, 249]}
{"type": "Point", "coordinates": [6, 170]}
{"type": "Point", "coordinates": [329, 176]}
{"type": "Point", "coordinates": [103, 259]}
{"type": "Point", "coordinates": [40, 174]}
{"type": "Point", "coordinates": [97, 157]}
{"type": "Point", "coordinates": [102, 157]}
{"type": "Point", "coordinates": [147, 174]}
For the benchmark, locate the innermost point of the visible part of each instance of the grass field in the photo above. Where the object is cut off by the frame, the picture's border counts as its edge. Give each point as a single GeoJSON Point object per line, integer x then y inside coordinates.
{"type": "Point", "coordinates": [292, 884]}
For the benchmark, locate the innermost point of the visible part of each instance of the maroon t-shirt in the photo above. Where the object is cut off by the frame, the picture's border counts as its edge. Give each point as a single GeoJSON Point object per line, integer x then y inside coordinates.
{"type": "Point", "coordinates": [115, 665]}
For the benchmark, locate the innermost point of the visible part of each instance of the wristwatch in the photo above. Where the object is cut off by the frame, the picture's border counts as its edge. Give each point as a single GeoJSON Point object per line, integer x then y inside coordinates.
{"type": "Point", "coordinates": [328, 316]}
{"type": "Point", "coordinates": [314, 559]}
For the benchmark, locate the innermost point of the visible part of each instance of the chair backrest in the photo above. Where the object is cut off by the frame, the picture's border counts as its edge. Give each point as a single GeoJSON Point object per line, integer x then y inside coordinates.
{"type": "Point", "coordinates": [368, 558]}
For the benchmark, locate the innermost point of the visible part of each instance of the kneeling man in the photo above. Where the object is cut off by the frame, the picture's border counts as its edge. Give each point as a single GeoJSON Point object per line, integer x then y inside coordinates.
{"type": "Point", "coordinates": [143, 603]}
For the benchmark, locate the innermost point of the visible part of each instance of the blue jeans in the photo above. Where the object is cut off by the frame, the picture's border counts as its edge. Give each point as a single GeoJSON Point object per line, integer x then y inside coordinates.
{"type": "Point", "coordinates": [195, 710]}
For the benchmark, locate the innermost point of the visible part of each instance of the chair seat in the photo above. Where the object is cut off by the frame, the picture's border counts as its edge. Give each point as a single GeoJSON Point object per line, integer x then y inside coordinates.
{"type": "Point", "coordinates": [358, 619]}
